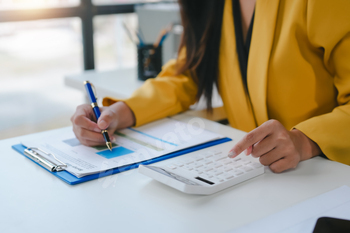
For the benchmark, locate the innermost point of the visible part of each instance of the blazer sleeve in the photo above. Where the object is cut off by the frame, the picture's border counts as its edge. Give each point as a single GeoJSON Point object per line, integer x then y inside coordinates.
{"type": "Point", "coordinates": [165, 95]}
{"type": "Point", "coordinates": [329, 27]}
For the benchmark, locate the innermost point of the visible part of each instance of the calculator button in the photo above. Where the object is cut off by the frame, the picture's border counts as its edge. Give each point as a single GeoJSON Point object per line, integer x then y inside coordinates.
{"type": "Point", "coordinates": [208, 161]}
{"type": "Point", "coordinates": [179, 164]}
{"type": "Point", "coordinates": [220, 179]}
{"type": "Point", "coordinates": [216, 164]}
{"type": "Point", "coordinates": [238, 159]}
{"type": "Point", "coordinates": [198, 158]}
{"type": "Point", "coordinates": [229, 176]}
{"type": "Point", "coordinates": [208, 169]}
{"type": "Point", "coordinates": [222, 161]}
{"type": "Point", "coordinates": [238, 173]}
{"type": "Point", "coordinates": [221, 169]}
{"type": "Point", "coordinates": [210, 175]}
{"type": "Point", "coordinates": [219, 173]}
{"type": "Point", "coordinates": [189, 161]}
{"type": "Point", "coordinates": [219, 157]}
{"type": "Point", "coordinates": [211, 166]}
{"type": "Point", "coordinates": [246, 162]}
{"type": "Point", "coordinates": [198, 165]}
{"type": "Point", "coordinates": [227, 161]}
{"type": "Point", "coordinates": [256, 165]}
{"type": "Point", "coordinates": [238, 165]}
{"type": "Point", "coordinates": [217, 152]}
{"type": "Point", "coordinates": [199, 171]}
{"type": "Point", "coordinates": [172, 166]}
{"type": "Point", "coordinates": [215, 170]}
{"type": "Point", "coordinates": [227, 169]}
{"type": "Point", "coordinates": [247, 169]}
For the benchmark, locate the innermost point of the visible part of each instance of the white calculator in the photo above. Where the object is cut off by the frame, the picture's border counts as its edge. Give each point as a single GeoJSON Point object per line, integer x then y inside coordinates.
{"type": "Point", "coordinates": [205, 173]}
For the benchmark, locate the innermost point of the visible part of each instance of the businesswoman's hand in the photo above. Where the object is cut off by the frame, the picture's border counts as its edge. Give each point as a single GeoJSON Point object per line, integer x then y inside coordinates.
{"type": "Point", "coordinates": [276, 147]}
{"type": "Point", "coordinates": [116, 116]}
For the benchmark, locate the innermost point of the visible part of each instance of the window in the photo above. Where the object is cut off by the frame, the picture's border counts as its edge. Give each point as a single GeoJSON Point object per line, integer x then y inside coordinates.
{"type": "Point", "coordinates": [34, 58]}
{"type": "Point", "coordinates": [35, 4]}
{"type": "Point", "coordinates": [113, 47]}
{"type": "Point", "coordinates": [41, 41]}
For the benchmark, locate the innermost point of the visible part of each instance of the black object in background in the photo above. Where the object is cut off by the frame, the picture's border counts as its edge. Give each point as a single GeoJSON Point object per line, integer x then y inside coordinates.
{"type": "Point", "coordinates": [332, 225]}
{"type": "Point", "coordinates": [149, 59]}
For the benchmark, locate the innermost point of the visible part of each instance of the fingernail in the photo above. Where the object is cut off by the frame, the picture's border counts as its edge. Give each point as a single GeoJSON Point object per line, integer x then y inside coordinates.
{"type": "Point", "coordinates": [113, 139]}
{"type": "Point", "coordinates": [246, 151]}
{"type": "Point", "coordinates": [232, 154]}
{"type": "Point", "coordinates": [103, 124]}
{"type": "Point", "coordinates": [98, 130]}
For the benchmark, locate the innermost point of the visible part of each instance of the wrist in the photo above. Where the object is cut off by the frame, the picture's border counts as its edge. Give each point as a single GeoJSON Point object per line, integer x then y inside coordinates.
{"type": "Point", "coordinates": [308, 148]}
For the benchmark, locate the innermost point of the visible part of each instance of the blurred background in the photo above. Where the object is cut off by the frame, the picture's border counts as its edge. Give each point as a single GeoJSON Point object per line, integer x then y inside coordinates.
{"type": "Point", "coordinates": [41, 41]}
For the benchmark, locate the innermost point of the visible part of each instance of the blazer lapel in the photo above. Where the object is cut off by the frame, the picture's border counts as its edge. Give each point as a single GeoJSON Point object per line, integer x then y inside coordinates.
{"type": "Point", "coordinates": [231, 87]}
{"type": "Point", "coordinates": [260, 50]}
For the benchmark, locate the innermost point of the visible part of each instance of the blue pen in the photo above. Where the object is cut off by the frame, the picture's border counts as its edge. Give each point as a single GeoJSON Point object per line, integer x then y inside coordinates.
{"type": "Point", "coordinates": [97, 112]}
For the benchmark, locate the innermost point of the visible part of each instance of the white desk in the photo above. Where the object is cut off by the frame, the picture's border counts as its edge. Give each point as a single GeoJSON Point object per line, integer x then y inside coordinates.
{"type": "Point", "coordinates": [32, 200]}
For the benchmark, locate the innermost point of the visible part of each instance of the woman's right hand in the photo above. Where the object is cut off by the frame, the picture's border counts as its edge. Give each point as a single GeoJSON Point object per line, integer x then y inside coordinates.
{"type": "Point", "coordinates": [88, 132]}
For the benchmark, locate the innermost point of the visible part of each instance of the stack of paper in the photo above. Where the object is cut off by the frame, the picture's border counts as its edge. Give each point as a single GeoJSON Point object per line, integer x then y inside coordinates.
{"type": "Point", "coordinates": [132, 145]}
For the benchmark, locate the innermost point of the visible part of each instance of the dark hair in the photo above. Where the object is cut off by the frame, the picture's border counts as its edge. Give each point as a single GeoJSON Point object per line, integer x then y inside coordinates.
{"type": "Point", "coordinates": [202, 21]}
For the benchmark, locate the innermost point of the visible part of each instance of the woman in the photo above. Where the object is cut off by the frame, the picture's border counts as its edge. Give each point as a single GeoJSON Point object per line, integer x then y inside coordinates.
{"type": "Point", "coordinates": [297, 73]}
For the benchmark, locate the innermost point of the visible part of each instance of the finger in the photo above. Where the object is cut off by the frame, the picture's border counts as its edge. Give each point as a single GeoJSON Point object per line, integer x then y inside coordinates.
{"type": "Point", "coordinates": [86, 123]}
{"type": "Point", "coordinates": [90, 138]}
{"type": "Point", "coordinates": [83, 118]}
{"type": "Point", "coordinates": [111, 136]}
{"type": "Point", "coordinates": [250, 139]}
{"type": "Point", "coordinates": [283, 165]}
{"type": "Point", "coordinates": [271, 157]}
{"type": "Point", "coordinates": [92, 143]}
{"type": "Point", "coordinates": [248, 151]}
{"type": "Point", "coordinates": [85, 110]}
{"type": "Point", "coordinates": [264, 146]}
{"type": "Point", "coordinates": [106, 118]}
{"type": "Point", "coordinates": [84, 134]}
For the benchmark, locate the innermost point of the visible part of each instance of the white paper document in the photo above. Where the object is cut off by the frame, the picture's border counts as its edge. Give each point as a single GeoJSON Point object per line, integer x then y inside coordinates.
{"type": "Point", "coordinates": [132, 145]}
{"type": "Point", "coordinates": [302, 217]}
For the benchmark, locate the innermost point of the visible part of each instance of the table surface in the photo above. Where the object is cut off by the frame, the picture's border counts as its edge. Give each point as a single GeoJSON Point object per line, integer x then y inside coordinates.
{"type": "Point", "coordinates": [32, 200]}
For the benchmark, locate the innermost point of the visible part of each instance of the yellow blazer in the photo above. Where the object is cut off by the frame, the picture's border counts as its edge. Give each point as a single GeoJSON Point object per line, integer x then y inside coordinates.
{"type": "Point", "coordinates": [298, 74]}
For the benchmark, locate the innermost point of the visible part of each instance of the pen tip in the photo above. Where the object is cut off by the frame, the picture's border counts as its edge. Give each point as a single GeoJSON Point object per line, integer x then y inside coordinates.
{"type": "Point", "coordinates": [109, 145]}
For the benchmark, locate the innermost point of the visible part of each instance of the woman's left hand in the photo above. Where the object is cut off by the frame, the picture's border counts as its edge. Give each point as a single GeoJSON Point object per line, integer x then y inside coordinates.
{"type": "Point", "coordinates": [276, 147]}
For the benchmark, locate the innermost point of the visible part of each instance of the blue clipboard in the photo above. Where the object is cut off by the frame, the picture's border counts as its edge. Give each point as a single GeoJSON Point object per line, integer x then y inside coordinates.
{"type": "Point", "coordinates": [72, 180]}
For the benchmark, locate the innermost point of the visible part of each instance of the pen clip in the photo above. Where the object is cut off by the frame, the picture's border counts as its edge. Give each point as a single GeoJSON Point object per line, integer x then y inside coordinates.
{"type": "Point", "coordinates": [93, 89]}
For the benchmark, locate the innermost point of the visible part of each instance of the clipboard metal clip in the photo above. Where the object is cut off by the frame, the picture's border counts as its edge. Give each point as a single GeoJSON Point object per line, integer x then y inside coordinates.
{"type": "Point", "coordinates": [33, 153]}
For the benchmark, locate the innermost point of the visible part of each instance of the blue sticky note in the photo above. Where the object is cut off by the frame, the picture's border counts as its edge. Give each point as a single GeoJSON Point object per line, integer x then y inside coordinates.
{"type": "Point", "coordinates": [117, 151]}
